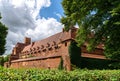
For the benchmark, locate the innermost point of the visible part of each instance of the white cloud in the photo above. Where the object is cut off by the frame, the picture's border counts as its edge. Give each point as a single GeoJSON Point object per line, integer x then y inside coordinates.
{"type": "Point", "coordinates": [44, 28]}
{"type": "Point", "coordinates": [16, 3]}
{"type": "Point", "coordinates": [58, 15]}
{"type": "Point", "coordinates": [23, 19]}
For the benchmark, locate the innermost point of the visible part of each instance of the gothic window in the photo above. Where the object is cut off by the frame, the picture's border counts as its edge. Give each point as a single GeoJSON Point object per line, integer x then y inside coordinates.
{"type": "Point", "coordinates": [14, 51]}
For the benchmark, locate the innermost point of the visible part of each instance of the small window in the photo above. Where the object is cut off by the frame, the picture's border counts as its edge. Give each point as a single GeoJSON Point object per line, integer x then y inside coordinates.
{"type": "Point", "coordinates": [56, 46]}
{"type": "Point", "coordinates": [38, 48]}
{"type": "Point", "coordinates": [49, 48]}
{"type": "Point", "coordinates": [39, 51]}
{"type": "Point", "coordinates": [44, 50]}
{"type": "Point", "coordinates": [35, 52]}
{"type": "Point", "coordinates": [65, 43]}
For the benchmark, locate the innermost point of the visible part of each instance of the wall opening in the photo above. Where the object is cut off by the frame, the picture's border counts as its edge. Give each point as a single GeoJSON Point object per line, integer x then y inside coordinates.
{"type": "Point", "coordinates": [65, 43]}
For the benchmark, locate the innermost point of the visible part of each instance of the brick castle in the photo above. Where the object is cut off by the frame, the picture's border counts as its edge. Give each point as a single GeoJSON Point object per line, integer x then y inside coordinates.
{"type": "Point", "coordinates": [47, 53]}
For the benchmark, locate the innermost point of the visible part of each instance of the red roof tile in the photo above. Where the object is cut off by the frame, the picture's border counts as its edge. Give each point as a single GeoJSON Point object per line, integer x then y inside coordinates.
{"type": "Point", "coordinates": [57, 38]}
{"type": "Point", "coordinates": [93, 56]}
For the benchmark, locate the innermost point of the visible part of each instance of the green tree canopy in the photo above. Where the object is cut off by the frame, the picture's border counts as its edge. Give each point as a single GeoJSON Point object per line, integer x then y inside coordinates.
{"type": "Point", "coordinates": [6, 58]}
{"type": "Point", "coordinates": [100, 18]}
{"type": "Point", "coordinates": [3, 34]}
{"type": "Point", "coordinates": [75, 54]}
{"type": "Point", "coordinates": [1, 60]}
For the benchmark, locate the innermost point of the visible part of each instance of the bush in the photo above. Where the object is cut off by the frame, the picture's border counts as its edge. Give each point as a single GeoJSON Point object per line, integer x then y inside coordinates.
{"type": "Point", "coordinates": [58, 75]}
{"type": "Point", "coordinates": [60, 67]}
{"type": "Point", "coordinates": [1, 61]}
{"type": "Point", "coordinates": [115, 64]}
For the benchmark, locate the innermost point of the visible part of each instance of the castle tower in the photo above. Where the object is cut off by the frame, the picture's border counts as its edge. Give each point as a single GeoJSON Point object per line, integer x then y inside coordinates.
{"type": "Point", "coordinates": [27, 40]}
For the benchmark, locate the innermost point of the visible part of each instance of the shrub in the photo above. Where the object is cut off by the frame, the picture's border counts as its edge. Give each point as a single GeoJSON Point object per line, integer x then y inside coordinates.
{"type": "Point", "coordinates": [60, 67]}
{"type": "Point", "coordinates": [58, 75]}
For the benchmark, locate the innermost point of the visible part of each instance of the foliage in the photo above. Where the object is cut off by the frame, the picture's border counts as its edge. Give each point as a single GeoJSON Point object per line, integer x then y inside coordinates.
{"type": "Point", "coordinates": [92, 63]}
{"type": "Point", "coordinates": [98, 21]}
{"type": "Point", "coordinates": [3, 33]}
{"type": "Point", "coordinates": [75, 54]}
{"type": "Point", "coordinates": [58, 75]}
{"type": "Point", "coordinates": [6, 58]}
{"type": "Point", "coordinates": [115, 65]}
{"type": "Point", "coordinates": [1, 61]}
{"type": "Point", "coordinates": [60, 67]}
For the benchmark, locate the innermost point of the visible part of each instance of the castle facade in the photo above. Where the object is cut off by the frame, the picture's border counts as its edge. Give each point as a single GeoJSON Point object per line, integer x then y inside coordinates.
{"type": "Point", "coordinates": [47, 53]}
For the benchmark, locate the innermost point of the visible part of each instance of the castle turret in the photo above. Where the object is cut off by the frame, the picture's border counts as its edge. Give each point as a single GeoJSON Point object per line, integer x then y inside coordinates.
{"type": "Point", "coordinates": [27, 40]}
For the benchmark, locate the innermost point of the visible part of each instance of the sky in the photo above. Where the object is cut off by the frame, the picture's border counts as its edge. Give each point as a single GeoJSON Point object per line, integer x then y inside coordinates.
{"type": "Point", "coordinates": [37, 19]}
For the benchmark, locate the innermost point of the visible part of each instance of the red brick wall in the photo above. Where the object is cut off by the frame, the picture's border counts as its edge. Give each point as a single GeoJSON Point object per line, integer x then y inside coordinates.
{"type": "Point", "coordinates": [65, 54]}
{"type": "Point", "coordinates": [41, 63]}
{"type": "Point", "coordinates": [47, 57]}
{"type": "Point", "coordinates": [47, 62]}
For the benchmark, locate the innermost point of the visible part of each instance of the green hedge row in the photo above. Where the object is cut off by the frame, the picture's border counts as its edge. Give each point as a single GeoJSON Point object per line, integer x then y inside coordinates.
{"type": "Point", "coordinates": [58, 75]}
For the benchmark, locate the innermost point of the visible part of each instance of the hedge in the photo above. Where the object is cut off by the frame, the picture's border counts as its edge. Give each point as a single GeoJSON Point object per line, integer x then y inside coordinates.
{"type": "Point", "coordinates": [58, 75]}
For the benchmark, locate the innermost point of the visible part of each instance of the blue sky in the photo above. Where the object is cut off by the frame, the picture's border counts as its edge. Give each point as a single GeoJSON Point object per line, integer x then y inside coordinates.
{"type": "Point", "coordinates": [55, 8]}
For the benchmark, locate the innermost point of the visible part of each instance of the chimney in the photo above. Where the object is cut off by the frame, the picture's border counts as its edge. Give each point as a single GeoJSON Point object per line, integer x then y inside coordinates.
{"type": "Point", "coordinates": [73, 31]}
{"type": "Point", "coordinates": [27, 40]}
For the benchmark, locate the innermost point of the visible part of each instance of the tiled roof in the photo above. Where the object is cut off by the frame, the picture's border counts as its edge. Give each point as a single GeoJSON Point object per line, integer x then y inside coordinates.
{"type": "Point", "coordinates": [20, 44]}
{"type": "Point", "coordinates": [101, 46]}
{"type": "Point", "coordinates": [57, 38]}
{"type": "Point", "coordinates": [36, 58]}
{"type": "Point", "coordinates": [93, 56]}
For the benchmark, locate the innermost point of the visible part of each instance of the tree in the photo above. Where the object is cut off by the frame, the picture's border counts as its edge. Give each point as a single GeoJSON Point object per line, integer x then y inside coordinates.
{"type": "Point", "coordinates": [75, 54]}
{"type": "Point", "coordinates": [6, 58]}
{"type": "Point", "coordinates": [1, 61]}
{"type": "Point", "coordinates": [60, 67]}
{"type": "Point", "coordinates": [3, 34]}
{"type": "Point", "coordinates": [98, 21]}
